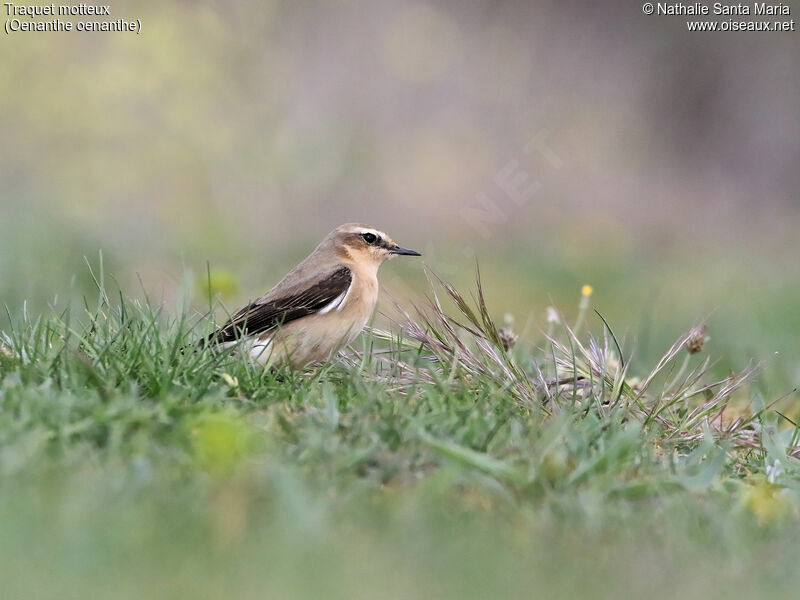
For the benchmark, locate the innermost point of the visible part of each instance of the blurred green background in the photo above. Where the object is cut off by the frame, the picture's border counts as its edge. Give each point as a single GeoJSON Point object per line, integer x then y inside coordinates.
{"type": "Point", "coordinates": [556, 143]}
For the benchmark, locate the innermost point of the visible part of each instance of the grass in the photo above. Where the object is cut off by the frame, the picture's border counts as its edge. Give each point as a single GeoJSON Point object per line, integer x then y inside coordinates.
{"type": "Point", "coordinates": [441, 458]}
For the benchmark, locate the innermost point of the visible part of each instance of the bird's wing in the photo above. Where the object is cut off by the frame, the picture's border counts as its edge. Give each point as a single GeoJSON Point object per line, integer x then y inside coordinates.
{"type": "Point", "coordinates": [270, 312]}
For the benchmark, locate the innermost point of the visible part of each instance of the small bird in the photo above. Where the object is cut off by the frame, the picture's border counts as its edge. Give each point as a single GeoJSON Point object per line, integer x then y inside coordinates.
{"type": "Point", "coordinates": [319, 306]}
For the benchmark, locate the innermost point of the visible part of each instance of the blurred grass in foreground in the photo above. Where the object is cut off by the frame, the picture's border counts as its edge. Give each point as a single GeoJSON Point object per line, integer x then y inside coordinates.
{"type": "Point", "coordinates": [131, 468]}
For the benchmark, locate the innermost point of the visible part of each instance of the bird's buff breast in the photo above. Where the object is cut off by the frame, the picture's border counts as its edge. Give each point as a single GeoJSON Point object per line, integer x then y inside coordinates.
{"type": "Point", "coordinates": [316, 337]}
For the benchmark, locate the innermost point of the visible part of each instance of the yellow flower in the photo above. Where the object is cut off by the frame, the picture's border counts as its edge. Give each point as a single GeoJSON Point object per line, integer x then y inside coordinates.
{"type": "Point", "coordinates": [765, 500]}
{"type": "Point", "coordinates": [217, 282]}
{"type": "Point", "coordinates": [230, 380]}
{"type": "Point", "coordinates": [587, 290]}
{"type": "Point", "coordinates": [221, 441]}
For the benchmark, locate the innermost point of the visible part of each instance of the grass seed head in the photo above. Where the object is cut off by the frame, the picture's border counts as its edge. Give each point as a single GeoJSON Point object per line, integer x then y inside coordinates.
{"type": "Point", "coordinates": [697, 337]}
{"type": "Point", "coordinates": [507, 338]}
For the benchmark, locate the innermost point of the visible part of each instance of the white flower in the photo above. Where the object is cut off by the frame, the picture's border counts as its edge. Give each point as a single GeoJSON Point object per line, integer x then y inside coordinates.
{"type": "Point", "coordinates": [774, 470]}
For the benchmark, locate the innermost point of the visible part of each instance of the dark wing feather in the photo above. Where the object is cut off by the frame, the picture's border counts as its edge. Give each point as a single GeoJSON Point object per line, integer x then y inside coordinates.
{"type": "Point", "coordinates": [265, 315]}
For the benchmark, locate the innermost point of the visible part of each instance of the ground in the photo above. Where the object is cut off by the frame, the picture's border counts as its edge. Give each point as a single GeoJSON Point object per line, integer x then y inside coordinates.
{"type": "Point", "coordinates": [428, 461]}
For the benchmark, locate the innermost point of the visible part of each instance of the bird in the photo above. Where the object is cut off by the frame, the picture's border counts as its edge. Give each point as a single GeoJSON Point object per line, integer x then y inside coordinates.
{"type": "Point", "coordinates": [320, 306]}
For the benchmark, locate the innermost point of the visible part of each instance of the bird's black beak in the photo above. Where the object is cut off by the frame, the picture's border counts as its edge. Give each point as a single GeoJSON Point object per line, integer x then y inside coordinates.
{"type": "Point", "coordinates": [404, 251]}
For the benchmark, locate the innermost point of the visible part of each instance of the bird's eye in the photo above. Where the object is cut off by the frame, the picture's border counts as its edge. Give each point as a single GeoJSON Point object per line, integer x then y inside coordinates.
{"type": "Point", "coordinates": [371, 238]}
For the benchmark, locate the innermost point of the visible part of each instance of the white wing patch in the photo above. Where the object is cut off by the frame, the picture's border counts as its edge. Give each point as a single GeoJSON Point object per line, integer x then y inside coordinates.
{"type": "Point", "coordinates": [346, 296]}
{"type": "Point", "coordinates": [336, 303]}
{"type": "Point", "coordinates": [260, 351]}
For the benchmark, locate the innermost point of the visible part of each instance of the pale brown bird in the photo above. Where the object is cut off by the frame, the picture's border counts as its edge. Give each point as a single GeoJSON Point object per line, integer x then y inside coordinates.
{"type": "Point", "coordinates": [319, 306]}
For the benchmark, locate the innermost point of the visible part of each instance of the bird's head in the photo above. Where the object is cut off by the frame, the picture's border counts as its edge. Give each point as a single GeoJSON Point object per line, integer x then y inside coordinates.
{"type": "Point", "coordinates": [365, 243]}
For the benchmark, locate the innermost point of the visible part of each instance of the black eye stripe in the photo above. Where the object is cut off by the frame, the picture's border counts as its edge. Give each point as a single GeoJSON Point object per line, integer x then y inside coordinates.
{"type": "Point", "coordinates": [372, 239]}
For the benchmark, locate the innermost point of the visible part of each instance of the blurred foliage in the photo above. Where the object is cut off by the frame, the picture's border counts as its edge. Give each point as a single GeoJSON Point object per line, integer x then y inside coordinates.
{"type": "Point", "coordinates": [239, 134]}
{"type": "Point", "coordinates": [131, 468]}
{"type": "Point", "coordinates": [558, 144]}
